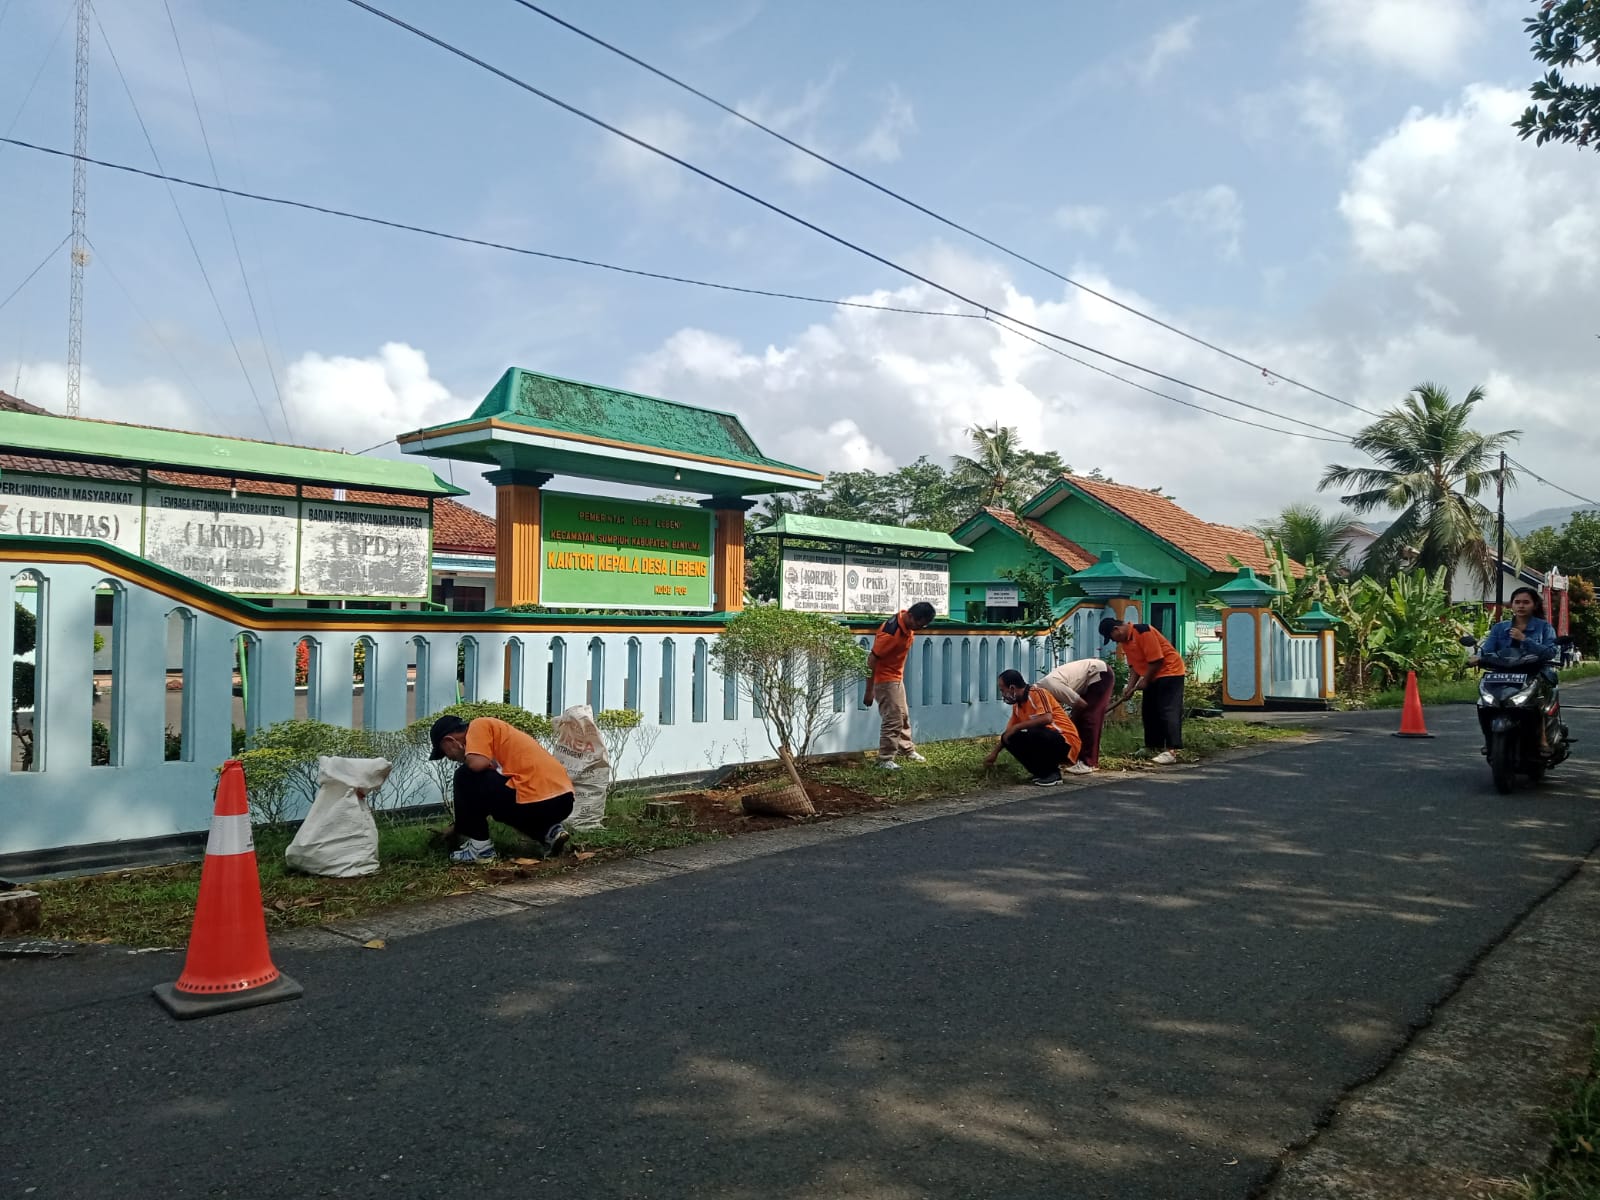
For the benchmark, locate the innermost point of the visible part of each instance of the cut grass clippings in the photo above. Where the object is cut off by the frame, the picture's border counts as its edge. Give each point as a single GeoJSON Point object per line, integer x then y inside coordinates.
{"type": "Point", "coordinates": [155, 906]}
{"type": "Point", "coordinates": [1465, 691]}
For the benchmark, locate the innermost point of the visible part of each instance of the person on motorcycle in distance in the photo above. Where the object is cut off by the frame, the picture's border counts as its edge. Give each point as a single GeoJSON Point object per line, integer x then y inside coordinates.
{"type": "Point", "coordinates": [1527, 632]}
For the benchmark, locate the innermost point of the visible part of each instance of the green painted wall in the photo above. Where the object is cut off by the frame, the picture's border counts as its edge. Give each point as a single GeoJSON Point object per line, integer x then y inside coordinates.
{"type": "Point", "coordinates": [1097, 531]}
{"type": "Point", "coordinates": [1180, 583]}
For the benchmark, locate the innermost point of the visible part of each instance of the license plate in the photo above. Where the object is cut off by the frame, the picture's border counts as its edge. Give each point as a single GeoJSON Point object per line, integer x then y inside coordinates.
{"type": "Point", "coordinates": [1505, 677]}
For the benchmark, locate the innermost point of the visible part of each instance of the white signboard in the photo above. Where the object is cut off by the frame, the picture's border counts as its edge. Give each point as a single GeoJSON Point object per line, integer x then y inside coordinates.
{"type": "Point", "coordinates": [811, 582]}
{"type": "Point", "coordinates": [55, 506]}
{"type": "Point", "coordinates": [238, 544]}
{"type": "Point", "coordinates": [363, 550]}
{"type": "Point", "coordinates": [1001, 597]}
{"type": "Point", "coordinates": [871, 585]}
{"type": "Point", "coordinates": [921, 580]}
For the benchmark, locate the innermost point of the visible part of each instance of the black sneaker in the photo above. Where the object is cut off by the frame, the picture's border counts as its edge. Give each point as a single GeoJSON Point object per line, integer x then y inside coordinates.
{"type": "Point", "coordinates": [1049, 780]}
{"type": "Point", "coordinates": [557, 842]}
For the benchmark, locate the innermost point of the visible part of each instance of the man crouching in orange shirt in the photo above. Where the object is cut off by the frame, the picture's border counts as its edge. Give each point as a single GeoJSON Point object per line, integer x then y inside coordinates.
{"type": "Point", "coordinates": [886, 683]}
{"type": "Point", "coordinates": [1039, 734]}
{"type": "Point", "coordinates": [505, 774]}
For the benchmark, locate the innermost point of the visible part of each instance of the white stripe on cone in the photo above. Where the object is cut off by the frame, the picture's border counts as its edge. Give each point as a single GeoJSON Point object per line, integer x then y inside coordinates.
{"type": "Point", "coordinates": [230, 835]}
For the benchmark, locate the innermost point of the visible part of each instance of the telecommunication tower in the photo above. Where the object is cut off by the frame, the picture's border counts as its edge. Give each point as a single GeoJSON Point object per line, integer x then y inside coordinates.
{"type": "Point", "coordinates": [80, 247]}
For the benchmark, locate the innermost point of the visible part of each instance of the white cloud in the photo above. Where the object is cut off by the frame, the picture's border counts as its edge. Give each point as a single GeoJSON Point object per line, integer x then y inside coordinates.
{"type": "Point", "coordinates": [1311, 106]}
{"type": "Point", "coordinates": [1428, 38]}
{"type": "Point", "coordinates": [716, 32]}
{"type": "Point", "coordinates": [1456, 201]}
{"type": "Point", "coordinates": [882, 142]}
{"type": "Point", "coordinates": [649, 176]}
{"type": "Point", "coordinates": [156, 402]}
{"type": "Point", "coordinates": [802, 120]}
{"type": "Point", "coordinates": [1170, 44]}
{"type": "Point", "coordinates": [866, 388]}
{"type": "Point", "coordinates": [1215, 211]}
{"type": "Point", "coordinates": [1081, 218]}
{"type": "Point", "coordinates": [346, 403]}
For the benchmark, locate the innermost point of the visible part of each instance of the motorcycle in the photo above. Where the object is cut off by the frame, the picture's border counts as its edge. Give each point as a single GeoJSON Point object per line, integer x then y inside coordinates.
{"type": "Point", "coordinates": [1519, 708]}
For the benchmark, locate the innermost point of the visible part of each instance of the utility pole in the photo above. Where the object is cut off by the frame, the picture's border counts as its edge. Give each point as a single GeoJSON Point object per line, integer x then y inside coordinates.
{"type": "Point", "coordinates": [1500, 536]}
{"type": "Point", "coordinates": [80, 248]}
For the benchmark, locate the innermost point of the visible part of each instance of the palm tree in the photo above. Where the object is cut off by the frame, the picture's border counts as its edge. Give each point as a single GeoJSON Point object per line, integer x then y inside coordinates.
{"type": "Point", "coordinates": [1432, 469]}
{"type": "Point", "coordinates": [1307, 534]}
{"type": "Point", "coordinates": [1002, 471]}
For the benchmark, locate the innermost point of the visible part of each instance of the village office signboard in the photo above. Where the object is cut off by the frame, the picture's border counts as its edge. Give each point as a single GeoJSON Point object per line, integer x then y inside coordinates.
{"type": "Point", "coordinates": [246, 544]}
{"type": "Point", "coordinates": [599, 552]}
{"type": "Point", "coordinates": [872, 585]}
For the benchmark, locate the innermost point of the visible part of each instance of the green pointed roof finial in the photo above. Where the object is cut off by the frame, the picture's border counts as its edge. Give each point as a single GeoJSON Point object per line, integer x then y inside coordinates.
{"type": "Point", "coordinates": [1246, 591]}
{"type": "Point", "coordinates": [1111, 578]}
{"type": "Point", "coordinates": [1316, 618]}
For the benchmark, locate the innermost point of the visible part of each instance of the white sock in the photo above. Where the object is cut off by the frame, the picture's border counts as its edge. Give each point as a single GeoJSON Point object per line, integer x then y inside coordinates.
{"type": "Point", "coordinates": [480, 844]}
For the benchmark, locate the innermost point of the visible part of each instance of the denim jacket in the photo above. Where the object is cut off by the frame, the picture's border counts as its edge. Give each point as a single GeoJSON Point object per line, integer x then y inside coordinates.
{"type": "Point", "coordinates": [1538, 638]}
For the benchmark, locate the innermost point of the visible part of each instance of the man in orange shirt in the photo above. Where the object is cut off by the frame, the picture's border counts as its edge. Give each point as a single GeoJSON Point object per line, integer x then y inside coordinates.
{"type": "Point", "coordinates": [1039, 734]}
{"type": "Point", "coordinates": [886, 683]}
{"type": "Point", "coordinates": [1155, 668]}
{"type": "Point", "coordinates": [505, 774]}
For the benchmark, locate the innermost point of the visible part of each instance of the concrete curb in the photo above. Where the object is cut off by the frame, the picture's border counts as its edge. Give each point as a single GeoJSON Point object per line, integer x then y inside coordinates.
{"type": "Point", "coordinates": [1464, 1109]}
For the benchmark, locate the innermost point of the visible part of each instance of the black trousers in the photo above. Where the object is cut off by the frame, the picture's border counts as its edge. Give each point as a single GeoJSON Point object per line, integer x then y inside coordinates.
{"type": "Point", "coordinates": [1163, 714]}
{"type": "Point", "coordinates": [1040, 750]}
{"type": "Point", "coordinates": [483, 794]}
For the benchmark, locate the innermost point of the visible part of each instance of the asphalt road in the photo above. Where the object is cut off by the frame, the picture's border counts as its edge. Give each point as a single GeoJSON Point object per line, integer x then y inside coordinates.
{"type": "Point", "coordinates": [1143, 989]}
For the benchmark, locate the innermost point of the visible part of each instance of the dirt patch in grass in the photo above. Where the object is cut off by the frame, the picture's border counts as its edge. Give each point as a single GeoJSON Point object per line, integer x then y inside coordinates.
{"type": "Point", "coordinates": [719, 810]}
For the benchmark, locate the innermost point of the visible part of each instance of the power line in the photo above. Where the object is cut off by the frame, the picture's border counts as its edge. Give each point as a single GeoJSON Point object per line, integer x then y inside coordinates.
{"type": "Point", "coordinates": [28, 278]}
{"type": "Point", "coordinates": [1312, 437]}
{"type": "Point", "coordinates": [194, 248]}
{"type": "Point", "coordinates": [733, 111]}
{"type": "Point", "coordinates": [227, 217]}
{"type": "Point", "coordinates": [983, 313]}
{"type": "Point", "coordinates": [484, 243]}
{"type": "Point", "coordinates": [799, 220]}
{"type": "Point", "coordinates": [1564, 491]}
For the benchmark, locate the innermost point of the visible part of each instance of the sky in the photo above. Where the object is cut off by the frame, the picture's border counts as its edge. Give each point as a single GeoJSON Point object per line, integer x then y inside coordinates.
{"type": "Point", "coordinates": [1327, 187]}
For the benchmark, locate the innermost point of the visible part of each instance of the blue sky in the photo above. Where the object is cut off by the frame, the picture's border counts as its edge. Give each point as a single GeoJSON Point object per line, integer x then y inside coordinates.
{"type": "Point", "coordinates": [1328, 186]}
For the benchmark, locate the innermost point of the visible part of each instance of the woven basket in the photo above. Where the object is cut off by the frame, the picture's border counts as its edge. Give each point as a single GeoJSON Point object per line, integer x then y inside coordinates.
{"type": "Point", "coordinates": [785, 801]}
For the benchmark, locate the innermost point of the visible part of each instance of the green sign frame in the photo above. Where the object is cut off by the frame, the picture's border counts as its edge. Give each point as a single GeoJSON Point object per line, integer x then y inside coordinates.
{"type": "Point", "coordinates": [603, 552]}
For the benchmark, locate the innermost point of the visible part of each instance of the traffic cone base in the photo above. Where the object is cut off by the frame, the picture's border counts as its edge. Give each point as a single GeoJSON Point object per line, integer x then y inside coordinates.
{"type": "Point", "coordinates": [1411, 722]}
{"type": "Point", "coordinates": [228, 965]}
{"type": "Point", "coordinates": [185, 1005]}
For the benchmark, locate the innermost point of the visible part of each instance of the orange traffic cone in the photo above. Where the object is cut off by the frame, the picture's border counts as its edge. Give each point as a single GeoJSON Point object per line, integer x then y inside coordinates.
{"type": "Point", "coordinates": [228, 965]}
{"type": "Point", "coordinates": [1411, 723]}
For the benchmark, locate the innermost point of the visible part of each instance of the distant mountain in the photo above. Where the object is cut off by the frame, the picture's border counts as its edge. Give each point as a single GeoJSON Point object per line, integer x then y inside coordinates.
{"type": "Point", "coordinates": [1521, 526]}
{"type": "Point", "coordinates": [1556, 517]}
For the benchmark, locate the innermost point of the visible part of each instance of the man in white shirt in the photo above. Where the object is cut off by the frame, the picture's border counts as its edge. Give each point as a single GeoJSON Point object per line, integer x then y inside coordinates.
{"type": "Point", "coordinates": [1084, 688]}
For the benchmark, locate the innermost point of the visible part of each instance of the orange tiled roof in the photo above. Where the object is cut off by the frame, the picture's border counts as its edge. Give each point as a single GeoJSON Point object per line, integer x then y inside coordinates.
{"type": "Point", "coordinates": [457, 527]}
{"type": "Point", "coordinates": [1200, 540]}
{"type": "Point", "coordinates": [1063, 549]}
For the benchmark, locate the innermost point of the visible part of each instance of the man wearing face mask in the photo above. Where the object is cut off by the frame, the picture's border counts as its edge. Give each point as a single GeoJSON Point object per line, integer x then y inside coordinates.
{"type": "Point", "coordinates": [1039, 734]}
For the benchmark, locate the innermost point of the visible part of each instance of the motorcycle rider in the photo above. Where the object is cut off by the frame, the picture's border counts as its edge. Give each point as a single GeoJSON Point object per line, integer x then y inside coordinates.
{"type": "Point", "coordinates": [1527, 632]}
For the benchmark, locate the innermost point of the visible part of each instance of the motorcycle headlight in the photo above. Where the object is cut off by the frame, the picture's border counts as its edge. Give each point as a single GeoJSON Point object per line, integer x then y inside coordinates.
{"type": "Point", "coordinates": [1522, 697]}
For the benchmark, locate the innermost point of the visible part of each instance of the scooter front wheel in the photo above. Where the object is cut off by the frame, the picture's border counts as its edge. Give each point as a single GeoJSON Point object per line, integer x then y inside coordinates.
{"type": "Point", "coordinates": [1502, 761]}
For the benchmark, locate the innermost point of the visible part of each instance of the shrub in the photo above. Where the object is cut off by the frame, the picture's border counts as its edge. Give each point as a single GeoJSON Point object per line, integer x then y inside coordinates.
{"type": "Point", "coordinates": [304, 742]}
{"type": "Point", "coordinates": [789, 663]}
{"type": "Point", "coordinates": [270, 778]}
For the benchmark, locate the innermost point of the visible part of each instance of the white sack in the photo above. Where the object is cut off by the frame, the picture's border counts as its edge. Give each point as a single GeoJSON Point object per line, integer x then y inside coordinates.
{"type": "Point", "coordinates": [582, 751]}
{"type": "Point", "coordinates": [339, 836]}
